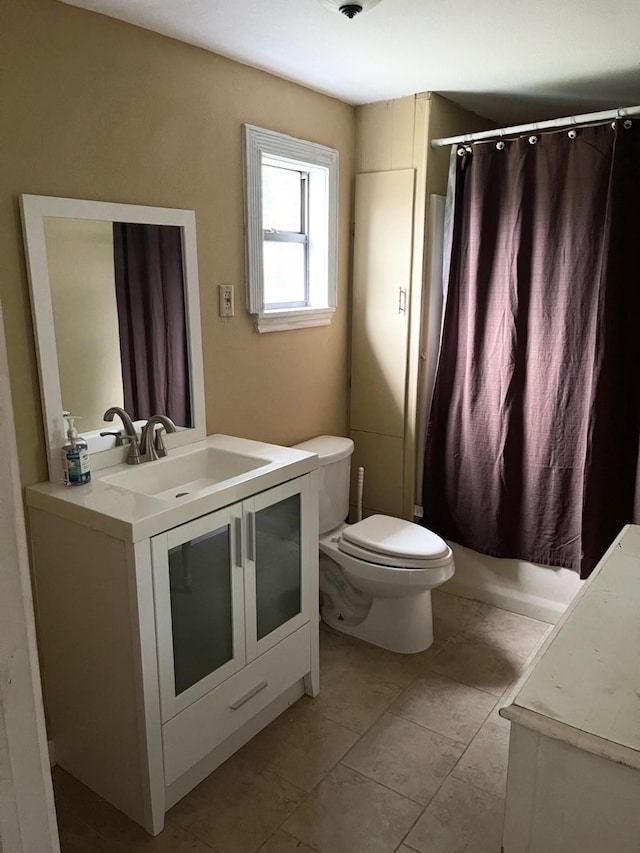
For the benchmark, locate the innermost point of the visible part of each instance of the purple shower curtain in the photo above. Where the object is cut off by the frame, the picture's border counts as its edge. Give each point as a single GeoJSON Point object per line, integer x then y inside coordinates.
{"type": "Point", "coordinates": [532, 447]}
{"type": "Point", "coordinates": [151, 317]}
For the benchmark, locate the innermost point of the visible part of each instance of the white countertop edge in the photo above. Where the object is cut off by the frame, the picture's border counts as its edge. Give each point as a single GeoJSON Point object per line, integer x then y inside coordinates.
{"type": "Point", "coordinates": [49, 502]}
{"type": "Point", "coordinates": [551, 728]}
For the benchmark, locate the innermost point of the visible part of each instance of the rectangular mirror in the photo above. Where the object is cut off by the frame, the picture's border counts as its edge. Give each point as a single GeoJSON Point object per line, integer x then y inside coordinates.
{"type": "Point", "coordinates": [115, 300]}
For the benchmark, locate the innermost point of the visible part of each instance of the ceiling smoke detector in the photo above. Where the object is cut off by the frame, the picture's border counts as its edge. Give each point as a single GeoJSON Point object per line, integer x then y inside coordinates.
{"type": "Point", "coordinates": [350, 10]}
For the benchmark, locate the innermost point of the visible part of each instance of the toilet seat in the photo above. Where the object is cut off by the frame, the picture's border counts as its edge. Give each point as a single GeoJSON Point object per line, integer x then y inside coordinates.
{"type": "Point", "coordinates": [387, 541]}
{"type": "Point", "coordinates": [379, 579]}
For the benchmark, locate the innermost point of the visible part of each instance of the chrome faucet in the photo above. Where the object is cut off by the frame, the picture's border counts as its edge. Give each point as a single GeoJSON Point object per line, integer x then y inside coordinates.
{"type": "Point", "coordinates": [151, 443]}
{"type": "Point", "coordinates": [130, 433]}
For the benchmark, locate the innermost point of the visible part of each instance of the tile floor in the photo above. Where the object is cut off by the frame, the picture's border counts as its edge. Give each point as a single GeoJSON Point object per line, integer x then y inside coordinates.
{"type": "Point", "coordinates": [397, 754]}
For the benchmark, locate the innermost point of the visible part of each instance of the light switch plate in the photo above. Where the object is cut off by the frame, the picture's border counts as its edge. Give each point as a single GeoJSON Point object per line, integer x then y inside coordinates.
{"type": "Point", "coordinates": [225, 297]}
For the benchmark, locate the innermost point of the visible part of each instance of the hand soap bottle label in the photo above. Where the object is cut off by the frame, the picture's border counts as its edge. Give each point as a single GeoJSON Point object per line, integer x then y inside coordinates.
{"type": "Point", "coordinates": [75, 464]}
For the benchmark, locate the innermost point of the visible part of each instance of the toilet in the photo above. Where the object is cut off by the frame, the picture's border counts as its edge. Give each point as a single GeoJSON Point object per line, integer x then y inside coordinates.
{"type": "Point", "coordinates": [376, 575]}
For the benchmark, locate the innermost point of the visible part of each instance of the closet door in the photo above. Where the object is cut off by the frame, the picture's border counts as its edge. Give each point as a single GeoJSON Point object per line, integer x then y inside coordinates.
{"type": "Point", "coordinates": [380, 327]}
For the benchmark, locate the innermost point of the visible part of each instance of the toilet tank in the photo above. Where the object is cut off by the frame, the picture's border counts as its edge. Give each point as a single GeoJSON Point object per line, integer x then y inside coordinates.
{"type": "Point", "coordinates": [334, 454]}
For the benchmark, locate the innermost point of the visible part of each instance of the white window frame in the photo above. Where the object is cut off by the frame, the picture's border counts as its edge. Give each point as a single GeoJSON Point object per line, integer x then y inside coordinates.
{"type": "Point", "coordinates": [321, 165]}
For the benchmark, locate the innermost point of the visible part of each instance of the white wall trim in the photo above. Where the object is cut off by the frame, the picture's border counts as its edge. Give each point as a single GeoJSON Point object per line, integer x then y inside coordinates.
{"type": "Point", "coordinates": [259, 141]}
{"type": "Point", "coordinates": [27, 812]}
{"type": "Point", "coordinates": [34, 211]}
{"type": "Point", "coordinates": [301, 318]}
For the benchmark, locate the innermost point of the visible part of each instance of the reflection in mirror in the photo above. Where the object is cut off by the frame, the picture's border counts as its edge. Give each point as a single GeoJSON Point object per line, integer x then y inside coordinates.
{"type": "Point", "coordinates": [151, 319]}
{"type": "Point", "coordinates": [118, 309]}
{"type": "Point", "coordinates": [114, 291]}
{"type": "Point", "coordinates": [83, 298]}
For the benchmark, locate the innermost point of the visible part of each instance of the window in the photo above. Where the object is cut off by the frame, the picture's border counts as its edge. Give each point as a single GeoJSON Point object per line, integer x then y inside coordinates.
{"type": "Point", "coordinates": [291, 210]}
{"type": "Point", "coordinates": [285, 235]}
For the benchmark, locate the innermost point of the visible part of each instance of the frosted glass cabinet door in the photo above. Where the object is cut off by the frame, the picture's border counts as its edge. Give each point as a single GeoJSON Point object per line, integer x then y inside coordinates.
{"type": "Point", "coordinates": [198, 589]}
{"type": "Point", "coordinates": [277, 567]}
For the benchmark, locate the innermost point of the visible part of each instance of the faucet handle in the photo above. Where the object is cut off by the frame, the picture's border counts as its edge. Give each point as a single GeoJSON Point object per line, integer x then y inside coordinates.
{"type": "Point", "coordinates": [133, 457]}
{"type": "Point", "coordinates": [117, 435]}
{"type": "Point", "coordinates": [164, 424]}
{"type": "Point", "coordinates": [151, 443]}
{"type": "Point", "coordinates": [158, 443]}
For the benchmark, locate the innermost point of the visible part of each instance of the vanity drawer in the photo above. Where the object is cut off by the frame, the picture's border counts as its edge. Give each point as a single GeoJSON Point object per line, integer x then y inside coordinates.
{"type": "Point", "coordinates": [194, 732]}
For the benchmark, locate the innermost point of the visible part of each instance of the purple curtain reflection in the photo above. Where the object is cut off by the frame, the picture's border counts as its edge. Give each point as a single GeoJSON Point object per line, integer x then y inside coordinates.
{"type": "Point", "coordinates": [151, 317]}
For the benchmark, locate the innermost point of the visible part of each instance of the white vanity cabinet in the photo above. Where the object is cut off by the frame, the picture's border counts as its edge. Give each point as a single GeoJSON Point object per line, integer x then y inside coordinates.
{"type": "Point", "coordinates": [171, 634]}
{"type": "Point", "coordinates": [232, 608]}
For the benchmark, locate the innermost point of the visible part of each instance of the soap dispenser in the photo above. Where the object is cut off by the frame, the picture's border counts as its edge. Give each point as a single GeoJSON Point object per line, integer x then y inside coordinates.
{"type": "Point", "coordinates": [75, 457]}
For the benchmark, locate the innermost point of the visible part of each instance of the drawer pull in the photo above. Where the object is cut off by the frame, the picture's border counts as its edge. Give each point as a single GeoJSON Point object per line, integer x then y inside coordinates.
{"type": "Point", "coordinates": [253, 692]}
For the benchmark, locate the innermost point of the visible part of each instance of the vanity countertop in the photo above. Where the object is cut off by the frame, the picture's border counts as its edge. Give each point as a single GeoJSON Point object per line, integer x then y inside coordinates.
{"type": "Point", "coordinates": [583, 687]}
{"type": "Point", "coordinates": [132, 516]}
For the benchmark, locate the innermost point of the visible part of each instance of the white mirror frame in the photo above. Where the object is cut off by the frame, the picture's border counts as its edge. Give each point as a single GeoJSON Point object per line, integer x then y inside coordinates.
{"type": "Point", "coordinates": [35, 209]}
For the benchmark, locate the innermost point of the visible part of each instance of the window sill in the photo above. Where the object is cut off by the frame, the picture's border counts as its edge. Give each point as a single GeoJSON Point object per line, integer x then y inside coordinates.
{"type": "Point", "coordinates": [300, 318]}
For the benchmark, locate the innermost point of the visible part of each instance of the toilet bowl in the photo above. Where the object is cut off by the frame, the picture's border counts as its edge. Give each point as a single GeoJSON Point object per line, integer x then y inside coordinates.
{"type": "Point", "coordinates": [376, 576]}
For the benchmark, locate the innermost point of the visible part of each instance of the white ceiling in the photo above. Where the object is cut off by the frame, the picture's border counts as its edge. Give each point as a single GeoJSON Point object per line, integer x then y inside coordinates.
{"type": "Point", "coordinates": [510, 61]}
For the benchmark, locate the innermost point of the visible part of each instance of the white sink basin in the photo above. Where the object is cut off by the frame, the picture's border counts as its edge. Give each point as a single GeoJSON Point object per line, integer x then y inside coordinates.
{"type": "Point", "coordinates": [135, 502]}
{"type": "Point", "coordinates": [180, 476]}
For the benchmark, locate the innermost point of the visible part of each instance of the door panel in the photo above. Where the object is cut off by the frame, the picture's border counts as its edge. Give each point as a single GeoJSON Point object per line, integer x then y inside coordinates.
{"type": "Point", "coordinates": [201, 612]}
{"type": "Point", "coordinates": [279, 555]}
{"type": "Point", "coordinates": [198, 587]}
{"type": "Point", "coordinates": [280, 549]}
{"type": "Point", "coordinates": [381, 281]}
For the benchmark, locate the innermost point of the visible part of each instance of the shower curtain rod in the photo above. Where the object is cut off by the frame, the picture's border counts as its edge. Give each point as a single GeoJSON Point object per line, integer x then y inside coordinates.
{"type": "Point", "coordinates": [569, 121]}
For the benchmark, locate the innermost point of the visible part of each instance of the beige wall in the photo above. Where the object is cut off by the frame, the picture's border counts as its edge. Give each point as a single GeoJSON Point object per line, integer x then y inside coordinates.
{"type": "Point", "coordinates": [94, 108]}
{"type": "Point", "coordinates": [85, 316]}
{"type": "Point", "coordinates": [385, 135]}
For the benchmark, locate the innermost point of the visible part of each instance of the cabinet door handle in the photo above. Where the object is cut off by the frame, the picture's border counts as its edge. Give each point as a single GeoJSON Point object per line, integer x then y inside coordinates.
{"type": "Point", "coordinates": [251, 536]}
{"type": "Point", "coordinates": [402, 300]}
{"type": "Point", "coordinates": [249, 695]}
{"type": "Point", "coordinates": [238, 530]}
{"type": "Point", "coordinates": [187, 577]}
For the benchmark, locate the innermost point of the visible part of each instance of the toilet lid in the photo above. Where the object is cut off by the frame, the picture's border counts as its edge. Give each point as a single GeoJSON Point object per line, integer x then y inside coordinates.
{"type": "Point", "coordinates": [394, 537]}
